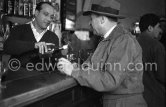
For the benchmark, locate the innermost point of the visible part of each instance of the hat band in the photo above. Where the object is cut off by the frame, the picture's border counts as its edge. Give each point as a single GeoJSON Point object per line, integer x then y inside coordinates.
{"type": "Point", "coordinates": [104, 9]}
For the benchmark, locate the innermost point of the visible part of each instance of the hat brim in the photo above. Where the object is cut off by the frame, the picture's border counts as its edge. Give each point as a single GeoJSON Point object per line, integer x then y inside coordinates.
{"type": "Point", "coordinates": [102, 13]}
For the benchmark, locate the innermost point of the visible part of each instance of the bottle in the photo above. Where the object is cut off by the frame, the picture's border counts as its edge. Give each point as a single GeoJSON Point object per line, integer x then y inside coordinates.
{"type": "Point", "coordinates": [34, 2]}
{"type": "Point", "coordinates": [7, 32]}
{"type": "Point", "coordinates": [1, 36]}
{"type": "Point", "coordinates": [16, 7]}
{"type": "Point", "coordinates": [10, 7]}
{"type": "Point", "coordinates": [1, 5]}
{"type": "Point", "coordinates": [26, 8]}
{"type": "Point", "coordinates": [21, 8]}
{"type": "Point", "coordinates": [30, 8]}
{"type": "Point", "coordinates": [1, 30]}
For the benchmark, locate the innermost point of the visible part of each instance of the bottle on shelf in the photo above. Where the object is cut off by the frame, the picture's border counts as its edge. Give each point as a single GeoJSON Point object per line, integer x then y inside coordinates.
{"type": "Point", "coordinates": [26, 8]}
{"type": "Point", "coordinates": [1, 5]}
{"type": "Point", "coordinates": [34, 6]}
{"type": "Point", "coordinates": [1, 32]}
{"type": "Point", "coordinates": [7, 32]}
{"type": "Point", "coordinates": [21, 8]}
{"type": "Point", "coordinates": [16, 7]}
{"type": "Point", "coordinates": [30, 8]}
{"type": "Point", "coordinates": [10, 7]}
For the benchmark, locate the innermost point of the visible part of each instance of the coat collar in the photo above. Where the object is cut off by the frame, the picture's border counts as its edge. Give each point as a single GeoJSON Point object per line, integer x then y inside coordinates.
{"type": "Point", "coordinates": [118, 30]}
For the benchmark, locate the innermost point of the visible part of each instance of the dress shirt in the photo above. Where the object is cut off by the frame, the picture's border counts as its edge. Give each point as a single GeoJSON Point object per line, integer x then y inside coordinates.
{"type": "Point", "coordinates": [108, 33]}
{"type": "Point", "coordinates": [37, 35]}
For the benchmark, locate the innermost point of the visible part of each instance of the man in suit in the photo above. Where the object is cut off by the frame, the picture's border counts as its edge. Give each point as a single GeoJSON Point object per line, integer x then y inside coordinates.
{"type": "Point", "coordinates": [115, 67]}
{"type": "Point", "coordinates": [27, 41]}
{"type": "Point", "coordinates": [153, 59]}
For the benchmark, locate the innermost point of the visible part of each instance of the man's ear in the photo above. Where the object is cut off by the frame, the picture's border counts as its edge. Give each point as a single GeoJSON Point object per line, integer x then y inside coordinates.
{"type": "Point", "coordinates": [102, 19]}
{"type": "Point", "coordinates": [36, 12]}
{"type": "Point", "coordinates": [150, 28]}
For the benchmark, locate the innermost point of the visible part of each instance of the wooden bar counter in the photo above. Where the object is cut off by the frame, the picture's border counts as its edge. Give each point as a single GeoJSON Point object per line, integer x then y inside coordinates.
{"type": "Point", "coordinates": [45, 89]}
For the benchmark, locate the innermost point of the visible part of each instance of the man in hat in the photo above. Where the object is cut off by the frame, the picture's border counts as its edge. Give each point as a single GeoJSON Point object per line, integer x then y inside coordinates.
{"type": "Point", "coordinates": [115, 68]}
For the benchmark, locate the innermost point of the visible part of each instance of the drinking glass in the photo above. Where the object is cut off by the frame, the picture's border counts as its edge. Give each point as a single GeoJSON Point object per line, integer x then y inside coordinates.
{"type": "Point", "coordinates": [2, 72]}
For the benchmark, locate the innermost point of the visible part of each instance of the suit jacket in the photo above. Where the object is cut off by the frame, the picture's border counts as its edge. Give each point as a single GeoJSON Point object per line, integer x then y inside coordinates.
{"type": "Point", "coordinates": [112, 67]}
{"type": "Point", "coordinates": [153, 77]}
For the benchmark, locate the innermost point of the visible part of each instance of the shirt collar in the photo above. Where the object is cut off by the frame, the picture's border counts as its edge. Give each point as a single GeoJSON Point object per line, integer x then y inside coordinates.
{"type": "Point", "coordinates": [109, 32]}
{"type": "Point", "coordinates": [34, 29]}
{"type": "Point", "coordinates": [37, 35]}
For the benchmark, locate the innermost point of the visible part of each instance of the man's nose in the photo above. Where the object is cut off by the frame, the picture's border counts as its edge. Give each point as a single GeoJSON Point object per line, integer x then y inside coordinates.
{"type": "Point", "coordinates": [49, 19]}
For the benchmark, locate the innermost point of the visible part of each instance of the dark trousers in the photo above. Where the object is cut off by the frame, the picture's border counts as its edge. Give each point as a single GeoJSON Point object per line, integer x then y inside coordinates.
{"type": "Point", "coordinates": [128, 101]}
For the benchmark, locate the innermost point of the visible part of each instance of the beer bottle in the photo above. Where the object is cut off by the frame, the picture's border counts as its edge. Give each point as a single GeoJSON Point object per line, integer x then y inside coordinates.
{"type": "Point", "coordinates": [21, 8]}
{"type": "Point", "coordinates": [10, 7]}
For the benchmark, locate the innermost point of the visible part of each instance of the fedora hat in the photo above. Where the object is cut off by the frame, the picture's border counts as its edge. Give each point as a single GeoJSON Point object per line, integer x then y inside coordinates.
{"type": "Point", "coordinates": [108, 8]}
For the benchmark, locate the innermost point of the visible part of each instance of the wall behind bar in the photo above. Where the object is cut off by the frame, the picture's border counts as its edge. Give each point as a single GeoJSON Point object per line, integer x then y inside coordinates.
{"type": "Point", "coordinates": [133, 9]}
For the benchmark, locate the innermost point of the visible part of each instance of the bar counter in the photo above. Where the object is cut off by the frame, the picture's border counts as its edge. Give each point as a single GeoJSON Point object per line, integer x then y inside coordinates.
{"type": "Point", "coordinates": [23, 91]}
{"type": "Point", "coordinates": [45, 89]}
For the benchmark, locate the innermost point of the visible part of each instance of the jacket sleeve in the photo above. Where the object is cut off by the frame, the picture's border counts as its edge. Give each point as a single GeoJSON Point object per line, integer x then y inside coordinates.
{"type": "Point", "coordinates": [110, 78]}
{"type": "Point", "coordinates": [160, 60]}
{"type": "Point", "coordinates": [14, 45]}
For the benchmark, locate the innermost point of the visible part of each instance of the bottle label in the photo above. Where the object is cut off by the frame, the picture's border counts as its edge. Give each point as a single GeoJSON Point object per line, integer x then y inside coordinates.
{"type": "Point", "coordinates": [21, 8]}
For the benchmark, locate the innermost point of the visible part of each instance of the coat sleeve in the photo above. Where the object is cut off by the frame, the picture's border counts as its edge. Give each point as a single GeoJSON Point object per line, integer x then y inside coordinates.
{"type": "Point", "coordinates": [14, 45]}
{"type": "Point", "coordinates": [160, 60]}
{"type": "Point", "coordinates": [109, 79]}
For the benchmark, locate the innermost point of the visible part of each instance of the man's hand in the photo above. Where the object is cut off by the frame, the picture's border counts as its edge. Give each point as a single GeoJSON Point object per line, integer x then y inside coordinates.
{"type": "Point", "coordinates": [65, 66]}
{"type": "Point", "coordinates": [42, 46]}
{"type": "Point", "coordinates": [50, 47]}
